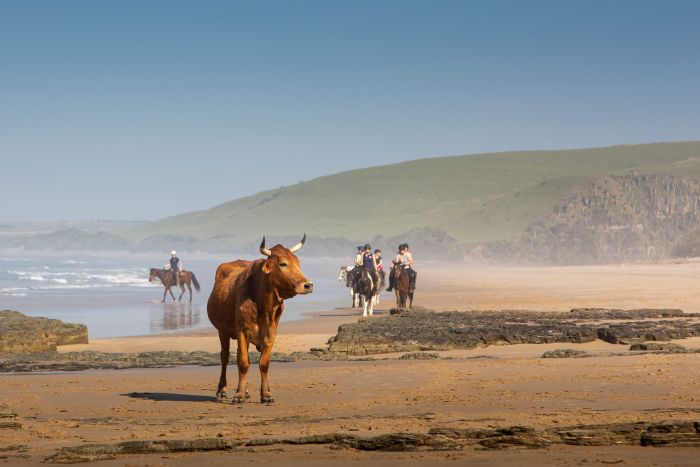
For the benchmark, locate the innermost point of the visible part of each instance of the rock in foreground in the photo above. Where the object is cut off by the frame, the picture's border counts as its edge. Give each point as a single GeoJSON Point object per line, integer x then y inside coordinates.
{"type": "Point", "coordinates": [22, 334]}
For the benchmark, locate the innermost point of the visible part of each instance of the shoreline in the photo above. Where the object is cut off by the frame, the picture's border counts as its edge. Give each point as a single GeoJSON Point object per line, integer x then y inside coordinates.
{"type": "Point", "coordinates": [313, 330]}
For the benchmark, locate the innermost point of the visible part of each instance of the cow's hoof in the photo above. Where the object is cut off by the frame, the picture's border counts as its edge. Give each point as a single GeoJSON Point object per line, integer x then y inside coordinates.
{"type": "Point", "coordinates": [238, 399]}
{"type": "Point", "coordinates": [267, 400]}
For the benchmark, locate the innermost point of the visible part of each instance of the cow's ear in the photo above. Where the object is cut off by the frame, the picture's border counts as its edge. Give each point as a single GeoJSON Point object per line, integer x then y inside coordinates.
{"type": "Point", "coordinates": [266, 266]}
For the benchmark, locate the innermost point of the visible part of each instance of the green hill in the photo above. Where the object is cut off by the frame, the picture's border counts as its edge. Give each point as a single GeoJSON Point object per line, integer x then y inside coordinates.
{"type": "Point", "coordinates": [473, 198]}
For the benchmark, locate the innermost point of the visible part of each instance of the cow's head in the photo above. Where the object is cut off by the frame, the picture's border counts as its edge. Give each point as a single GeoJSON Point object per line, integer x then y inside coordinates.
{"type": "Point", "coordinates": [283, 270]}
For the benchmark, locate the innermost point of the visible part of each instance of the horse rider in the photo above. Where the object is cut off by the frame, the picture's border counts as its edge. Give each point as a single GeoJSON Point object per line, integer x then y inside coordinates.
{"type": "Point", "coordinates": [378, 259]}
{"type": "Point", "coordinates": [380, 265]}
{"type": "Point", "coordinates": [370, 263]}
{"type": "Point", "coordinates": [358, 256]}
{"type": "Point", "coordinates": [175, 264]}
{"type": "Point", "coordinates": [405, 258]}
{"type": "Point", "coordinates": [412, 274]}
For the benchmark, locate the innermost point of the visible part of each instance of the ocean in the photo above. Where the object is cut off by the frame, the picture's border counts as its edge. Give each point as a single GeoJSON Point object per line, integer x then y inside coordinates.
{"type": "Point", "coordinates": [112, 296]}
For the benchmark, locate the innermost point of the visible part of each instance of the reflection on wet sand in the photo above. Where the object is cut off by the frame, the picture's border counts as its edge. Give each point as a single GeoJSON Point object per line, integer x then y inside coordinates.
{"type": "Point", "coordinates": [174, 316]}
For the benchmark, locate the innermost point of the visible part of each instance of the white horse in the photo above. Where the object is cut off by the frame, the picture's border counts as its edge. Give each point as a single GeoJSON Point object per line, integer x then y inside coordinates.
{"type": "Point", "coordinates": [346, 276]}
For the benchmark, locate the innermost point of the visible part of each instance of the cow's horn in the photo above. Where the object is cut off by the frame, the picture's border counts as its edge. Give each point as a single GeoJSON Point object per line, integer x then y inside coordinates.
{"type": "Point", "coordinates": [264, 250]}
{"type": "Point", "coordinates": [298, 246]}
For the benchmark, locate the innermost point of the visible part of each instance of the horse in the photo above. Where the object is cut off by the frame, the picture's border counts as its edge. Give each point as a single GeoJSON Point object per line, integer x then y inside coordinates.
{"type": "Point", "coordinates": [364, 286]}
{"type": "Point", "coordinates": [166, 278]}
{"type": "Point", "coordinates": [347, 274]}
{"type": "Point", "coordinates": [401, 285]}
{"type": "Point", "coordinates": [382, 282]}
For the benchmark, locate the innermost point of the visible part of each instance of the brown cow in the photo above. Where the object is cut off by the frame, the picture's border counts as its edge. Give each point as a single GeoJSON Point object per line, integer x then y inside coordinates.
{"type": "Point", "coordinates": [246, 304]}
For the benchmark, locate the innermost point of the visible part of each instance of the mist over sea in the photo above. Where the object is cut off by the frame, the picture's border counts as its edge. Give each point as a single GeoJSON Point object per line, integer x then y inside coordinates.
{"type": "Point", "coordinates": [112, 296]}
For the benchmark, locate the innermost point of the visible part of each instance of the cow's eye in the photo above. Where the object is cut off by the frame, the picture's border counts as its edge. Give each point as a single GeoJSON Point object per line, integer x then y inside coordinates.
{"type": "Point", "coordinates": [283, 264]}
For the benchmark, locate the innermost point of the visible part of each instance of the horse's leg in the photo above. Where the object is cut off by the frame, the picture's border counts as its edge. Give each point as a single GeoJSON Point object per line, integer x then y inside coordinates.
{"type": "Point", "coordinates": [165, 292]}
{"type": "Point", "coordinates": [410, 296]}
{"type": "Point", "coordinates": [170, 289]}
{"type": "Point", "coordinates": [181, 284]}
{"type": "Point", "coordinates": [366, 302]}
{"type": "Point", "coordinates": [225, 348]}
{"type": "Point", "coordinates": [189, 287]}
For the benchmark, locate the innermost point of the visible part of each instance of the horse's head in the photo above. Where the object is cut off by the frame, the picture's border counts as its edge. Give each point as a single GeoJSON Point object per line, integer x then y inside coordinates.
{"type": "Point", "coordinates": [153, 275]}
{"type": "Point", "coordinates": [343, 274]}
{"type": "Point", "coordinates": [396, 269]}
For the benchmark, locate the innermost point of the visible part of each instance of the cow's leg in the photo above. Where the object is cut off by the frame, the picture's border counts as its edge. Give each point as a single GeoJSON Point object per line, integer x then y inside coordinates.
{"type": "Point", "coordinates": [243, 367]}
{"type": "Point", "coordinates": [225, 349]}
{"type": "Point", "coordinates": [265, 351]}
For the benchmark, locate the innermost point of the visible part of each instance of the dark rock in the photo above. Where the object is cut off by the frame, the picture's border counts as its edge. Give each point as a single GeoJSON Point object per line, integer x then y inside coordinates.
{"type": "Point", "coordinates": [8, 418]}
{"type": "Point", "coordinates": [563, 353]}
{"type": "Point", "coordinates": [23, 334]}
{"type": "Point", "coordinates": [91, 452]}
{"type": "Point", "coordinates": [675, 434]}
{"type": "Point", "coordinates": [419, 356]}
{"type": "Point", "coordinates": [415, 330]}
{"type": "Point", "coordinates": [600, 435]}
{"type": "Point", "coordinates": [76, 361]}
{"type": "Point", "coordinates": [665, 347]}
{"type": "Point", "coordinates": [686, 433]}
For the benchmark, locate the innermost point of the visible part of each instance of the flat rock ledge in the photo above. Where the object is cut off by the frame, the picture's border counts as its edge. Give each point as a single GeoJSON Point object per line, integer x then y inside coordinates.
{"type": "Point", "coordinates": [23, 334]}
{"type": "Point", "coordinates": [418, 330]}
{"type": "Point", "coordinates": [76, 361]}
{"type": "Point", "coordinates": [666, 434]}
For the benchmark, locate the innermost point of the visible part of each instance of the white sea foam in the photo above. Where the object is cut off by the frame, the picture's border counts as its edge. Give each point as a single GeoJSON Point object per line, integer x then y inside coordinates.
{"type": "Point", "coordinates": [13, 292]}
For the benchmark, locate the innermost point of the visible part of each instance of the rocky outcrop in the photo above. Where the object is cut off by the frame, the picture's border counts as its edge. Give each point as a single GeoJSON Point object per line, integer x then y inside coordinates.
{"type": "Point", "coordinates": [76, 361]}
{"type": "Point", "coordinates": [685, 434]}
{"type": "Point", "coordinates": [413, 330]}
{"type": "Point", "coordinates": [564, 353]}
{"type": "Point", "coordinates": [8, 418]}
{"type": "Point", "coordinates": [614, 219]}
{"type": "Point", "coordinates": [23, 334]}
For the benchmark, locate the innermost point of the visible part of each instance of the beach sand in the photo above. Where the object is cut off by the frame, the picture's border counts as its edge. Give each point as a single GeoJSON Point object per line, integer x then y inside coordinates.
{"type": "Point", "coordinates": [498, 386]}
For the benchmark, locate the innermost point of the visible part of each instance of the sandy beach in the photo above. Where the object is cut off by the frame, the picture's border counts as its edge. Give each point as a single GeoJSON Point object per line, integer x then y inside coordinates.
{"type": "Point", "coordinates": [498, 386]}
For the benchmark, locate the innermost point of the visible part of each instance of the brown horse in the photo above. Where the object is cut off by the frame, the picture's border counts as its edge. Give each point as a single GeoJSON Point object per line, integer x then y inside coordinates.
{"type": "Point", "coordinates": [401, 286]}
{"type": "Point", "coordinates": [166, 278]}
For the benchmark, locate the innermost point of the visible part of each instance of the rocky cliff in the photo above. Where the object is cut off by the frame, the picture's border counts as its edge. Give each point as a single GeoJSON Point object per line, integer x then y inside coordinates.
{"type": "Point", "coordinates": [615, 219]}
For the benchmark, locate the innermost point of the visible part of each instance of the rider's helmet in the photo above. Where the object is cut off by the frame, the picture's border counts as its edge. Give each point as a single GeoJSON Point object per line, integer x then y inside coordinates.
{"type": "Point", "coordinates": [173, 252]}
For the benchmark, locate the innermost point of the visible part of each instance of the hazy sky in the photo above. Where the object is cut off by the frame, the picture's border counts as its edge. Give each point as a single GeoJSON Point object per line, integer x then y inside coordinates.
{"type": "Point", "coordinates": [142, 109]}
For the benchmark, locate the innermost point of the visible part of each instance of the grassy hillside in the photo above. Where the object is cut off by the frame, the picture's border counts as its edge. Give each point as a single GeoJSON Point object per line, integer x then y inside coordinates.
{"type": "Point", "coordinates": [472, 198]}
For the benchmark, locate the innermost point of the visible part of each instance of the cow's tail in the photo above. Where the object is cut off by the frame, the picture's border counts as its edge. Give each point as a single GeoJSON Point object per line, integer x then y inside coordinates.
{"type": "Point", "coordinates": [194, 281]}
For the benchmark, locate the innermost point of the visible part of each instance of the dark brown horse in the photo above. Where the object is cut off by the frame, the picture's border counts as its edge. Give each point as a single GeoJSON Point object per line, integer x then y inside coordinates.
{"type": "Point", "coordinates": [401, 286]}
{"type": "Point", "coordinates": [168, 280]}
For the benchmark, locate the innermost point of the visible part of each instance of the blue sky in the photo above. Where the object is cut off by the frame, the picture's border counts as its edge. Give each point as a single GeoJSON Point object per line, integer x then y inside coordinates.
{"type": "Point", "coordinates": [143, 109]}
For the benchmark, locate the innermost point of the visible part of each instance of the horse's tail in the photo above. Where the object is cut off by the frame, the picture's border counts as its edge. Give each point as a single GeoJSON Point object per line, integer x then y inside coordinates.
{"type": "Point", "coordinates": [194, 281]}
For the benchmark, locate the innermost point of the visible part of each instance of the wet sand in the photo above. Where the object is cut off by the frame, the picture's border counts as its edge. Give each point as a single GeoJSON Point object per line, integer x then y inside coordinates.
{"type": "Point", "coordinates": [496, 386]}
